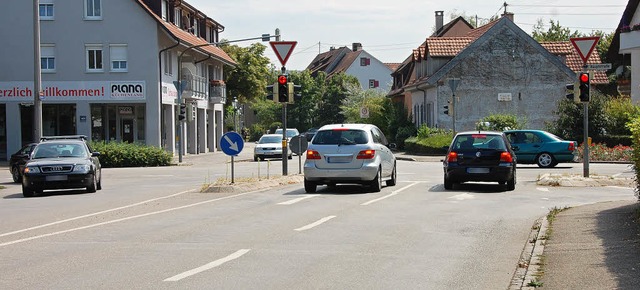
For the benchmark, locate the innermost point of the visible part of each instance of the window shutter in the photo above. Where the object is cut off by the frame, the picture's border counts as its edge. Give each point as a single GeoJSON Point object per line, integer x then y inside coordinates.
{"type": "Point", "coordinates": [118, 53]}
{"type": "Point", "coordinates": [368, 61]}
{"type": "Point", "coordinates": [376, 84]}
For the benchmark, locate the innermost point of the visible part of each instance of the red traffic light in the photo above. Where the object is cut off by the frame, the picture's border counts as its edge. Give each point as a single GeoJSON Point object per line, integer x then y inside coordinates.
{"type": "Point", "coordinates": [584, 78]}
{"type": "Point", "coordinates": [282, 79]}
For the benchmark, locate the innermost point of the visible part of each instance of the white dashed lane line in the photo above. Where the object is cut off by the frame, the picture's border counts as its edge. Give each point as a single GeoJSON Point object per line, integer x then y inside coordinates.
{"type": "Point", "coordinates": [208, 266]}
{"type": "Point", "coordinates": [315, 224]}
{"type": "Point", "coordinates": [295, 200]}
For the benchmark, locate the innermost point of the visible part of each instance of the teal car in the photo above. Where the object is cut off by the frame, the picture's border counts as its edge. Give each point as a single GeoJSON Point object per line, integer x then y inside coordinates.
{"type": "Point", "coordinates": [541, 148]}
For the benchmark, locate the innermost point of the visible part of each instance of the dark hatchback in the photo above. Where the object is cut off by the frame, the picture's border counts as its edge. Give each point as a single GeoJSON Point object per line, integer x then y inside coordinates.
{"type": "Point", "coordinates": [480, 156]}
{"type": "Point", "coordinates": [61, 164]}
{"type": "Point", "coordinates": [18, 160]}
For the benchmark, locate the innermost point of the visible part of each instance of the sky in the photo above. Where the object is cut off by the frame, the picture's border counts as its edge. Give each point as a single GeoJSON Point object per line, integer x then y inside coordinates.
{"type": "Point", "coordinates": [388, 30]}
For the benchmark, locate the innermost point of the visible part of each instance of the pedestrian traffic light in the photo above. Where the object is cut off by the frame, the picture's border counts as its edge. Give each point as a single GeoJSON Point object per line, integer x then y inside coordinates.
{"type": "Point", "coordinates": [271, 90]}
{"type": "Point", "coordinates": [584, 80]}
{"type": "Point", "coordinates": [283, 89]}
{"type": "Point", "coordinates": [182, 114]}
{"type": "Point", "coordinates": [571, 92]}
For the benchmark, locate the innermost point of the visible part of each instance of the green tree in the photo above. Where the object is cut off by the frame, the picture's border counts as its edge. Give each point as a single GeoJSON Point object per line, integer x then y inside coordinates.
{"type": "Point", "coordinates": [374, 100]}
{"type": "Point", "coordinates": [569, 124]}
{"type": "Point", "coordinates": [247, 80]}
{"type": "Point", "coordinates": [302, 114]}
{"type": "Point", "coordinates": [332, 93]}
{"type": "Point", "coordinates": [500, 122]}
{"type": "Point", "coordinates": [554, 33]}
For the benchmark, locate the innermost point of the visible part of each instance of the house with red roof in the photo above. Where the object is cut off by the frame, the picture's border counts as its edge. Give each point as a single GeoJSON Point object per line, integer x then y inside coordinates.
{"type": "Point", "coordinates": [108, 70]}
{"type": "Point", "coordinates": [370, 72]}
{"type": "Point", "coordinates": [498, 69]}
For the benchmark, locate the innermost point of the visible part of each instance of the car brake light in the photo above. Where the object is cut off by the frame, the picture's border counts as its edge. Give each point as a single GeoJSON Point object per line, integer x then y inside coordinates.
{"type": "Point", "coordinates": [572, 146]}
{"type": "Point", "coordinates": [452, 157]}
{"type": "Point", "coordinates": [506, 157]}
{"type": "Point", "coordinates": [313, 154]}
{"type": "Point", "coordinates": [366, 154]}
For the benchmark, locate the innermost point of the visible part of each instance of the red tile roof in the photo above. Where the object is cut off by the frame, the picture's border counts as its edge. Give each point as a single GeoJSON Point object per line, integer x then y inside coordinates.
{"type": "Point", "coordinates": [393, 66]}
{"type": "Point", "coordinates": [447, 46]}
{"type": "Point", "coordinates": [189, 38]}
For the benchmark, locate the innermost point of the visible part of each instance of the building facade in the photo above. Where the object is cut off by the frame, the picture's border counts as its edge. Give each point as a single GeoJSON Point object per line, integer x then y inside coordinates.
{"type": "Point", "coordinates": [108, 70]}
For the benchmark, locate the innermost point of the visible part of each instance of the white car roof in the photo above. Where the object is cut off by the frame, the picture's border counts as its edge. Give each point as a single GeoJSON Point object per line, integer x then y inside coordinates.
{"type": "Point", "coordinates": [346, 126]}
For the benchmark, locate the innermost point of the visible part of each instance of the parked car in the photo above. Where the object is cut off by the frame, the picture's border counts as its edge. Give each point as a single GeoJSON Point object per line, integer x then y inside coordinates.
{"type": "Point", "coordinates": [61, 163]}
{"type": "Point", "coordinates": [291, 132]}
{"type": "Point", "coordinates": [483, 156]}
{"type": "Point", "coordinates": [18, 160]}
{"type": "Point", "coordinates": [541, 147]}
{"type": "Point", "coordinates": [269, 146]}
{"type": "Point", "coordinates": [310, 133]}
{"type": "Point", "coordinates": [349, 153]}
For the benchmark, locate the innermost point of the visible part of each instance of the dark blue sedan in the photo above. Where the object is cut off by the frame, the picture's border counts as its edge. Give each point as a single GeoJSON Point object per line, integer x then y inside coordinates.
{"type": "Point", "coordinates": [541, 148]}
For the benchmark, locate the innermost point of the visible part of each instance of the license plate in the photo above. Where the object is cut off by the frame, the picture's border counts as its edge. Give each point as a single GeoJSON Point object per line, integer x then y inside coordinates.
{"type": "Point", "coordinates": [56, 178]}
{"type": "Point", "coordinates": [339, 159]}
{"type": "Point", "coordinates": [477, 170]}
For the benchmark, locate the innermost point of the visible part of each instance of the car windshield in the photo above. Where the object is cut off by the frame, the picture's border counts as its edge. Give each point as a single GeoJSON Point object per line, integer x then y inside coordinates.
{"type": "Point", "coordinates": [270, 139]}
{"type": "Point", "coordinates": [340, 137]}
{"type": "Point", "coordinates": [290, 132]}
{"type": "Point", "coordinates": [55, 150]}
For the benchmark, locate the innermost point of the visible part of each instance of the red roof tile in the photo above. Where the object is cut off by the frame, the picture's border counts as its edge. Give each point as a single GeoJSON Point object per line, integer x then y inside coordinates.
{"type": "Point", "coordinates": [189, 38]}
{"type": "Point", "coordinates": [447, 46]}
{"type": "Point", "coordinates": [574, 61]}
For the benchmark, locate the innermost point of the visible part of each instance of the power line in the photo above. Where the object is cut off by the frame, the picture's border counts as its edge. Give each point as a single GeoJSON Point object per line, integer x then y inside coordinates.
{"type": "Point", "coordinates": [566, 6]}
{"type": "Point", "coordinates": [574, 27]}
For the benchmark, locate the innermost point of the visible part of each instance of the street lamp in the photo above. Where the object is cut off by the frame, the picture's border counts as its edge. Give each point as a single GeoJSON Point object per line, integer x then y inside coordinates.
{"type": "Point", "coordinates": [180, 83]}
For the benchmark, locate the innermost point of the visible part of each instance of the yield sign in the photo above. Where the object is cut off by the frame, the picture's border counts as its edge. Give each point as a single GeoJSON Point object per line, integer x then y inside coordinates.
{"type": "Point", "coordinates": [584, 46]}
{"type": "Point", "coordinates": [283, 49]}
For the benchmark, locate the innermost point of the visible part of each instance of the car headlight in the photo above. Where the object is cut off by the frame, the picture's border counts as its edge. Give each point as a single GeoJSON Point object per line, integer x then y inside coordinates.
{"type": "Point", "coordinates": [83, 168]}
{"type": "Point", "coordinates": [31, 169]}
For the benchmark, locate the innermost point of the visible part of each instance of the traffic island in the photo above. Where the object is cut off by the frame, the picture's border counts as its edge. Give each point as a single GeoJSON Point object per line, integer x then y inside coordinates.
{"type": "Point", "coordinates": [575, 180]}
{"type": "Point", "coordinates": [250, 184]}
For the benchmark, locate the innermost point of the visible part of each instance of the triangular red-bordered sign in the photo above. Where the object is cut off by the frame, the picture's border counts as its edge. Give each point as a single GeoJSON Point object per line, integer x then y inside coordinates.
{"type": "Point", "coordinates": [283, 49]}
{"type": "Point", "coordinates": [585, 46]}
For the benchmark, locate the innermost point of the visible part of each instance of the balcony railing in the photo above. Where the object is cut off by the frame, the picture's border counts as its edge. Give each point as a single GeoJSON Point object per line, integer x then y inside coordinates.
{"type": "Point", "coordinates": [196, 87]}
{"type": "Point", "coordinates": [217, 92]}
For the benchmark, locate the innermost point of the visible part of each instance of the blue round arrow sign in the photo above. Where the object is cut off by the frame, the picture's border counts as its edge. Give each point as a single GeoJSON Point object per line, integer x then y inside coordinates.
{"type": "Point", "coordinates": [231, 143]}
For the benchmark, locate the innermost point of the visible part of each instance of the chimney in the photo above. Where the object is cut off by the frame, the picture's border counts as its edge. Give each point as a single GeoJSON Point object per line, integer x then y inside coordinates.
{"type": "Point", "coordinates": [439, 20]}
{"type": "Point", "coordinates": [508, 15]}
{"type": "Point", "coordinates": [356, 46]}
{"type": "Point", "coordinates": [332, 48]}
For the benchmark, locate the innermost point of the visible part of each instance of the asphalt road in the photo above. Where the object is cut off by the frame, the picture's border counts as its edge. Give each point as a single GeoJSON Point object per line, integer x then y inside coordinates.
{"type": "Point", "coordinates": [151, 228]}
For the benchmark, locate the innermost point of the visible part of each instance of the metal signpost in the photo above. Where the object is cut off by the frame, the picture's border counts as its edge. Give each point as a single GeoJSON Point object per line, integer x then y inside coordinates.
{"type": "Point", "coordinates": [298, 146]}
{"type": "Point", "coordinates": [231, 144]}
{"type": "Point", "coordinates": [283, 50]}
{"type": "Point", "coordinates": [585, 46]}
{"type": "Point", "coordinates": [453, 84]}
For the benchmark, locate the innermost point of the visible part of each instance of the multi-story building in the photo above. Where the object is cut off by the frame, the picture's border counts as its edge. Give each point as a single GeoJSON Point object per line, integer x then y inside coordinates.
{"type": "Point", "coordinates": [108, 70]}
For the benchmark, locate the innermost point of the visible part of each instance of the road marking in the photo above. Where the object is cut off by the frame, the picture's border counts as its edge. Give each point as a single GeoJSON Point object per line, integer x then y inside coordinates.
{"type": "Point", "coordinates": [289, 202]}
{"type": "Point", "coordinates": [616, 175]}
{"type": "Point", "coordinates": [542, 189]}
{"type": "Point", "coordinates": [463, 196]}
{"type": "Point", "coordinates": [94, 214]}
{"type": "Point", "coordinates": [118, 220]}
{"type": "Point", "coordinates": [209, 266]}
{"type": "Point", "coordinates": [312, 225]}
{"type": "Point", "coordinates": [391, 194]}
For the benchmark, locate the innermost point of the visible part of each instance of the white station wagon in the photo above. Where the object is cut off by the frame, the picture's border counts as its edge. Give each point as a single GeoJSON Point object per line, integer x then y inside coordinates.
{"type": "Point", "coordinates": [349, 153]}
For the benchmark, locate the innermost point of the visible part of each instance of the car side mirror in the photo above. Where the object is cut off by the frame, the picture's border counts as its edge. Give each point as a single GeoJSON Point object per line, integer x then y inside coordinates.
{"type": "Point", "coordinates": [95, 154]}
{"type": "Point", "coordinates": [392, 146]}
{"type": "Point", "coordinates": [514, 148]}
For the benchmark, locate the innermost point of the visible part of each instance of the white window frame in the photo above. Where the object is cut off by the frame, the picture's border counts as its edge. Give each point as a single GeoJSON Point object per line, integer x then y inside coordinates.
{"type": "Point", "coordinates": [195, 26]}
{"type": "Point", "coordinates": [95, 48]}
{"type": "Point", "coordinates": [177, 17]}
{"type": "Point", "coordinates": [168, 62]}
{"type": "Point", "coordinates": [118, 54]}
{"type": "Point", "coordinates": [46, 4]}
{"type": "Point", "coordinates": [164, 9]}
{"type": "Point", "coordinates": [96, 12]}
{"type": "Point", "coordinates": [48, 53]}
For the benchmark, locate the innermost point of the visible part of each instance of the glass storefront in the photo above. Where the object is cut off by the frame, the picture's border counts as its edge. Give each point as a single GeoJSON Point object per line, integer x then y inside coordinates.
{"type": "Point", "coordinates": [120, 123]}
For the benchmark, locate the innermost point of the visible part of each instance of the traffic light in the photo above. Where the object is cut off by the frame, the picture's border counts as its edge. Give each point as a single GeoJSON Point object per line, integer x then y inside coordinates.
{"type": "Point", "coordinates": [584, 80]}
{"type": "Point", "coordinates": [448, 111]}
{"type": "Point", "coordinates": [271, 90]}
{"type": "Point", "coordinates": [182, 114]}
{"type": "Point", "coordinates": [191, 112]}
{"type": "Point", "coordinates": [294, 93]}
{"type": "Point", "coordinates": [283, 89]}
{"type": "Point", "coordinates": [571, 92]}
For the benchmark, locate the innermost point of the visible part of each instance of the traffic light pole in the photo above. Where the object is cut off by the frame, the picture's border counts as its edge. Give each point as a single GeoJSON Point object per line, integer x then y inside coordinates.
{"type": "Point", "coordinates": [285, 146]}
{"type": "Point", "coordinates": [585, 157]}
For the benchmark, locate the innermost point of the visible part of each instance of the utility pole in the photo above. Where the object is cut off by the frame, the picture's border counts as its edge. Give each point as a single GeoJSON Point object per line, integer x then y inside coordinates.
{"type": "Point", "coordinates": [37, 77]}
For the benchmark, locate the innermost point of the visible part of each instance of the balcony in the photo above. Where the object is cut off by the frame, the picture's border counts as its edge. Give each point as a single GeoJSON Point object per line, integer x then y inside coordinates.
{"type": "Point", "coordinates": [629, 40]}
{"type": "Point", "coordinates": [217, 92]}
{"type": "Point", "coordinates": [196, 88]}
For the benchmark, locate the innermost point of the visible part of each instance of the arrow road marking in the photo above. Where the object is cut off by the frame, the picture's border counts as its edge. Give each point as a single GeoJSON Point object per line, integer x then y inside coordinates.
{"type": "Point", "coordinates": [232, 145]}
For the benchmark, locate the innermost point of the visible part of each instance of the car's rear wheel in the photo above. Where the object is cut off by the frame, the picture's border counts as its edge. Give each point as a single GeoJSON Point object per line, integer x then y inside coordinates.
{"type": "Point", "coordinates": [545, 160]}
{"type": "Point", "coordinates": [448, 184]}
{"type": "Point", "coordinates": [92, 188]}
{"type": "Point", "coordinates": [309, 186]}
{"type": "Point", "coordinates": [394, 176]}
{"type": "Point", "coordinates": [376, 183]}
{"type": "Point", "coordinates": [99, 185]}
{"type": "Point", "coordinates": [27, 191]}
{"type": "Point", "coordinates": [511, 183]}
{"type": "Point", "coordinates": [15, 173]}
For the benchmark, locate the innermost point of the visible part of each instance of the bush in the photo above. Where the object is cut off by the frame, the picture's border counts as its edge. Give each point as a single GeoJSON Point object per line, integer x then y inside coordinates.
{"type": "Point", "coordinates": [634, 127]}
{"type": "Point", "coordinates": [498, 122]}
{"type": "Point", "coordinates": [431, 145]}
{"type": "Point", "coordinates": [116, 154]}
{"type": "Point", "coordinates": [404, 133]}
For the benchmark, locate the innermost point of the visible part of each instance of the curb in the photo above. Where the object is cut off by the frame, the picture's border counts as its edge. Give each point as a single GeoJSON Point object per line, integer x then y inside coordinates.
{"type": "Point", "coordinates": [526, 273]}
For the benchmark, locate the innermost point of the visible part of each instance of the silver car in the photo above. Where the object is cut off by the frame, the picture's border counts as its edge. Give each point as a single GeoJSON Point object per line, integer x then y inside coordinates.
{"type": "Point", "coordinates": [349, 153]}
{"type": "Point", "coordinates": [269, 146]}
